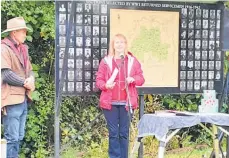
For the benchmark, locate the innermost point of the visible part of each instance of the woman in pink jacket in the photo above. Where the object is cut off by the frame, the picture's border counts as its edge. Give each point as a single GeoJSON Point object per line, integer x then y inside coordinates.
{"type": "Point", "coordinates": [117, 72]}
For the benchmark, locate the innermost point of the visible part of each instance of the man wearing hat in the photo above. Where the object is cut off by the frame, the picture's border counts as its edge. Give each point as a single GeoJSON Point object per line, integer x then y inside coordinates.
{"type": "Point", "coordinates": [17, 83]}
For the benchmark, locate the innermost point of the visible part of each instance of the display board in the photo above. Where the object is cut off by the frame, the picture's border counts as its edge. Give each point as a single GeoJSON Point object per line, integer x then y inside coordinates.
{"type": "Point", "coordinates": [178, 44]}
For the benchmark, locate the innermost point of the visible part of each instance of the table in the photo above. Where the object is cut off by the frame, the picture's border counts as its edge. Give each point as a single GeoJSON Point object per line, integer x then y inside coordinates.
{"type": "Point", "coordinates": [159, 125]}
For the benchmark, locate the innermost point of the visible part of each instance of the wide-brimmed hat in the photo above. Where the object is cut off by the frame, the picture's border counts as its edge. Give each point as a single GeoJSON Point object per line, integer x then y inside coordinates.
{"type": "Point", "coordinates": [16, 24]}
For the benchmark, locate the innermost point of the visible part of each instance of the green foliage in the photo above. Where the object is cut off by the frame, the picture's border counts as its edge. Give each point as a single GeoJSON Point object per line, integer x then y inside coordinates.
{"type": "Point", "coordinates": [182, 102]}
{"type": "Point", "coordinates": [39, 16]}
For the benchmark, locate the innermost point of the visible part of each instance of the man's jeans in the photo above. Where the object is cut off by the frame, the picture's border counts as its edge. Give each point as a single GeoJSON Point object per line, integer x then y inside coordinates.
{"type": "Point", "coordinates": [118, 126]}
{"type": "Point", "coordinates": [14, 127]}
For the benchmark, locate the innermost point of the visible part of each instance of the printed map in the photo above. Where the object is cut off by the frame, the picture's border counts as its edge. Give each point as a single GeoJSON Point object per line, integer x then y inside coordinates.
{"type": "Point", "coordinates": [153, 37]}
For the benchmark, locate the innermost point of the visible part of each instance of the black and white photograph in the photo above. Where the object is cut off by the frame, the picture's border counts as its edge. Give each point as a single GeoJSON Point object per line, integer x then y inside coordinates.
{"type": "Point", "coordinates": [212, 24]}
{"type": "Point", "coordinates": [79, 41]}
{"type": "Point", "coordinates": [95, 41]}
{"type": "Point", "coordinates": [190, 64]}
{"type": "Point", "coordinates": [183, 34]}
{"type": "Point", "coordinates": [211, 65]}
{"type": "Point", "coordinates": [190, 85]}
{"type": "Point", "coordinates": [87, 30]}
{"type": "Point", "coordinates": [204, 55]}
{"type": "Point", "coordinates": [96, 54]}
{"type": "Point", "coordinates": [183, 43]}
{"type": "Point", "coordinates": [103, 8]}
{"type": "Point", "coordinates": [211, 55]}
{"type": "Point", "coordinates": [87, 7]}
{"type": "Point", "coordinates": [79, 63]}
{"type": "Point", "coordinates": [88, 42]}
{"type": "Point", "coordinates": [95, 64]}
{"type": "Point", "coordinates": [70, 86]}
{"type": "Point", "coordinates": [62, 8]}
{"type": "Point", "coordinates": [79, 74]}
{"type": "Point", "coordinates": [87, 87]}
{"type": "Point", "coordinates": [217, 44]}
{"type": "Point", "coordinates": [71, 53]}
{"type": "Point", "coordinates": [79, 18]}
{"type": "Point", "coordinates": [212, 14]}
{"type": "Point", "coordinates": [196, 85]}
{"type": "Point", "coordinates": [190, 75]}
{"type": "Point", "coordinates": [79, 52]}
{"type": "Point", "coordinates": [184, 12]}
{"type": "Point", "coordinates": [183, 65]}
{"type": "Point", "coordinates": [205, 34]}
{"type": "Point", "coordinates": [197, 74]}
{"type": "Point", "coordinates": [204, 85]}
{"type": "Point", "coordinates": [198, 13]}
{"type": "Point", "coordinates": [61, 61]}
{"type": "Point", "coordinates": [103, 20]}
{"type": "Point", "coordinates": [197, 55]}
{"type": "Point", "coordinates": [198, 24]}
{"type": "Point", "coordinates": [182, 74]}
{"type": "Point", "coordinates": [197, 65]}
{"type": "Point", "coordinates": [190, 55]}
{"type": "Point", "coordinates": [103, 52]}
{"type": "Point", "coordinates": [205, 24]}
{"type": "Point", "coordinates": [218, 65]}
{"type": "Point", "coordinates": [211, 45]}
{"type": "Point", "coordinates": [87, 19]}
{"type": "Point", "coordinates": [96, 8]}
{"type": "Point", "coordinates": [190, 44]}
{"type": "Point", "coordinates": [184, 23]}
{"type": "Point", "coordinates": [191, 13]}
{"type": "Point", "coordinates": [95, 31]}
{"type": "Point", "coordinates": [182, 85]}
{"type": "Point", "coordinates": [87, 64]}
{"type": "Point", "coordinates": [87, 75]}
{"type": "Point", "coordinates": [218, 55]}
{"type": "Point", "coordinates": [96, 19]}
{"type": "Point", "coordinates": [217, 34]}
{"type": "Point", "coordinates": [204, 44]}
{"type": "Point", "coordinates": [210, 85]}
{"type": "Point", "coordinates": [95, 89]}
{"type": "Point", "coordinates": [204, 75]}
{"type": "Point", "coordinates": [87, 53]}
{"type": "Point", "coordinates": [211, 75]}
{"type": "Point", "coordinates": [71, 75]}
{"type": "Point", "coordinates": [212, 34]}
{"type": "Point", "coordinates": [94, 75]}
{"type": "Point", "coordinates": [79, 7]}
{"type": "Point", "coordinates": [204, 65]}
{"type": "Point", "coordinates": [191, 24]}
{"type": "Point", "coordinates": [104, 31]}
{"type": "Point", "coordinates": [217, 75]}
{"type": "Point", "coordinates": [61, 53]}
{"type": "Point", "coordinates": [70, 63]}
{"type": "Point", "coordinates": [62, 41]}
{"type": "Point", "coordinates": [104, 42]}
{"type": "Point", "coordinates": [183, 54]}
{"type": "Point", "coordinates": [205, 13]}
{"type": "Point", "coordinates": [62, 29]}
{"type": "Point", "coordinates": [190, 34]}
{"type": "Point", "coordinates": [218, 15]}
{"type": "Point", "coordinates": [60, 75]}
{"type": "Point", "coordinates": [79, 31]}
{"type": "Point", "coordinates": [218, 24]}
{"type": "Point", "coordinates": [197, 44]}
{"type": "Point", "coordinates": [62, 18]}
{"type": "Point", "coordinates": [71, 41]}
{"type": "Point", "coordinates": [79, 86]}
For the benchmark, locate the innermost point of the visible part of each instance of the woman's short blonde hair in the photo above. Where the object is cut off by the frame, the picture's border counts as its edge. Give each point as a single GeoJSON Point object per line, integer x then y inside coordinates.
{"type": "Point", "coordinates": [111, 45]}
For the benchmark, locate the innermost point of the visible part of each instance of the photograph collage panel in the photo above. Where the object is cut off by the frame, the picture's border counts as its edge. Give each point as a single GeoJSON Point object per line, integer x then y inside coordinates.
{"type": "Point", "coordinates": [200, 50]}
{"type": "Point", "coordinates": [88, 44]}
